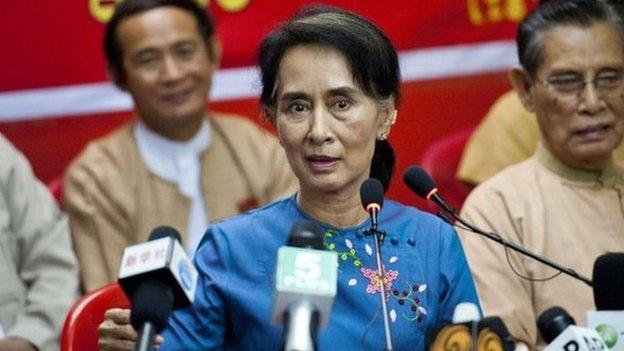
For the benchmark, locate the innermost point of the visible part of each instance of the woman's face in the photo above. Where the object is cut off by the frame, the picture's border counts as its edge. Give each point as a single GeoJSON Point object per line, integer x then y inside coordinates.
{"type": "Point", "coordinates": [325, 122]}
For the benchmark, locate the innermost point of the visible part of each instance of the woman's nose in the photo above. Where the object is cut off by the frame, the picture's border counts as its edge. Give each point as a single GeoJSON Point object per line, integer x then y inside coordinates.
{"type": "Point", "coordinates": [320, 126]}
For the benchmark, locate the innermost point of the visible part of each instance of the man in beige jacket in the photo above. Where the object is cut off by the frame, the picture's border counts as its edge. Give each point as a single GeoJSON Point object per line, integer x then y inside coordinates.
{"type": "Point", "coordinates": [38, 269]}
{"type": "Point", "coordinates": [566, 202]}
{"type": "Point", "coordinates": [177, 164]}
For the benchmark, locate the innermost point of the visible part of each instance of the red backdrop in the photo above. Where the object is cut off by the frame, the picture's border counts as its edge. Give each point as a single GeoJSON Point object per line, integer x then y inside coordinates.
{"type": "Point", "coordinates": [50, 45]}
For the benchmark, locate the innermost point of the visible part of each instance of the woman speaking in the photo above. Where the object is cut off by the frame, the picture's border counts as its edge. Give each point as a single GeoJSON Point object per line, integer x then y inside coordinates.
{"type": "Point", "coordinates": [330, 85]}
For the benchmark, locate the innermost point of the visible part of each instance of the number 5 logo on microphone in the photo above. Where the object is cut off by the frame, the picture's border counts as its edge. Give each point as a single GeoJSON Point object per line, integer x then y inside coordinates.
{"type": "Point", "coordinates": [307, 266]}
{"type": "Point", "coordinates": [306, 270]}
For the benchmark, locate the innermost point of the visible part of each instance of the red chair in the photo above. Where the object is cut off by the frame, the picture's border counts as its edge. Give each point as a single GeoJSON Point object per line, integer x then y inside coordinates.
{"type": "Point", "coordinates": [56, 188]}
{"type": "Point", "coordinates": [441, 160]}
{"type": "Point", "coordinates": [80, 328]}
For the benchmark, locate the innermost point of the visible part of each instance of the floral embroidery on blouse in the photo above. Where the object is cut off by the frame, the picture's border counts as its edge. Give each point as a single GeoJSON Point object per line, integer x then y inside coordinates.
{"type": "Point", "coordinates": [374, 286]}
{"type": "Point", "coordinates": [406, 299]}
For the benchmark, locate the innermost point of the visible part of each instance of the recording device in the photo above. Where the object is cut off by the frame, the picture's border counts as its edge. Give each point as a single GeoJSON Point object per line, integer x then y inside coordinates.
{"type": "Point", "coordinates": [417, 179]}
{"type": "Point", "coordinates": [560, 331]}
{"type": "Point", "coordinates": [305, 287]}
{"type": "Point", "coordinates": [468, 332]}
{"type": "Point", "coordinates": [157, 276]}
{"type": "Point", "coordinates": [608, 320]}
{"type": "Point", "coordinates": [372, 196]}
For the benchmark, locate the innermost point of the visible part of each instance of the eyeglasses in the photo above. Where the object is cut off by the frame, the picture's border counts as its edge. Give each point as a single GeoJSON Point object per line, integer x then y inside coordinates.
{"type": "Point", "coordinates": [571, 85]}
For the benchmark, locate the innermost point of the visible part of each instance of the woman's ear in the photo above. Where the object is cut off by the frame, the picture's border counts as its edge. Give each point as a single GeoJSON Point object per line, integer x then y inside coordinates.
{"type": "Point", "coordinates": [388, 119]}
{"type": "Point", "coordinates": [521, 82]}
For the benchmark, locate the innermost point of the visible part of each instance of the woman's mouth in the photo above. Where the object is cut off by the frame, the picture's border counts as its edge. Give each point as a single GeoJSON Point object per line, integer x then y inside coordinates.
{"type": "Point", "coordinates": [322, 163]}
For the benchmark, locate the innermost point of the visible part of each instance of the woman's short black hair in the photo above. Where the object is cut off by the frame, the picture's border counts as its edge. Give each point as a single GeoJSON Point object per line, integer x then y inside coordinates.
{"type": "Point", "coordinates": [127, 8]}
{"type": "Point", "coordinates": [549, 14]}
{"type": "Point", "coordinates": [368, 51]}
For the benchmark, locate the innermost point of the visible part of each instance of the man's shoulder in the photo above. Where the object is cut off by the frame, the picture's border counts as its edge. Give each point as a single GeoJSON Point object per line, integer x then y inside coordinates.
{"type": "Point", "coordinates": [514, 182]}
{"type": "Point", "coordinates": [110, 154]}
{"type": "Point", "coordinates": [241, 128]}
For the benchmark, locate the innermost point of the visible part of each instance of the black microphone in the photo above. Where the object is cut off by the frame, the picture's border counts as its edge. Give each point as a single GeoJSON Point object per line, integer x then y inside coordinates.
{"type": "Point", "coordinates": [553, 322]}
{"type": "Point", "coordinates": [372, 196]}
{"type": "Point", "coordinates": [419, 181]}
{"type": "Point", "coordinates": [560, 331]}
{"type": "Point", "coordinates": [157, 276]}
{"type": "Point", "coordinates": [608, 276]}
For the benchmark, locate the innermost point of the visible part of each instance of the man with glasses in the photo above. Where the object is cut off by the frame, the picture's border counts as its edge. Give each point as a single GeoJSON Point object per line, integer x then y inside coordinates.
{"type": "Point", "coordinates": [566, 202]}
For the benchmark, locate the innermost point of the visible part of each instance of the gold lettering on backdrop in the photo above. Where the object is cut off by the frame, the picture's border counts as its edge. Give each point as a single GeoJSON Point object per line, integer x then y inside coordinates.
{"type": "Point", "coordinates": [232, 5]}
{"type": "Point", "coordinates": [481, 12]}
{"type": "Point", "coordinates": [102, 10]}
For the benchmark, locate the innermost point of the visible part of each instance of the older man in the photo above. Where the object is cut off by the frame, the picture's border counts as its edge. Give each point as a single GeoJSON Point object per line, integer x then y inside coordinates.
{"type": "Point", "coordinates": [38, 269]}
{"type": "Point", "coordinates": [177, 164]}
{"type": "Point", "coordinates": [566, 202]}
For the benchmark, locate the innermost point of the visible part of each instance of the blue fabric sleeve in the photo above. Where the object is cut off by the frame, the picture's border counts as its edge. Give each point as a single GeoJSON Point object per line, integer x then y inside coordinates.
{"type": "Point", "coordinates": [456, 283]}
{"type": "Point", "coordinates": [202, 326]}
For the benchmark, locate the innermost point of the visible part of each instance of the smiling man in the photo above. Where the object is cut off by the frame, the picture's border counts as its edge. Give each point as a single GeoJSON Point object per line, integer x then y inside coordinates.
{"type": "Point", "coordinates": [566, 202]}
{"type": "Point", "coordinates": [177, 164]}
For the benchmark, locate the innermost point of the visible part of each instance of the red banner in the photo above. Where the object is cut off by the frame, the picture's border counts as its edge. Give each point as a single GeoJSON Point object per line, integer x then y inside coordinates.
{"type": "Point", "coordinates": [57, 43]}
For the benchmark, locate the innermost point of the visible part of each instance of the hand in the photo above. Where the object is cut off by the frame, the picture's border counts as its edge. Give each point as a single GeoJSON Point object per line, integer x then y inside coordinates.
{"type": "Point", "coordinates": [16, 344]}
{"type": "Point", "coordinates": [116, 333]}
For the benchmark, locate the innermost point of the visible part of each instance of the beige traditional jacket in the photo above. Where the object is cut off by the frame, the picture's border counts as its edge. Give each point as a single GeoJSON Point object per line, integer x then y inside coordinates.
{"type": "Point", "coordinates": [568, 215]}
{"type": "Point", "coordinates": [114, 201]}
{"type": "Point", "coordinates": [38, 269]}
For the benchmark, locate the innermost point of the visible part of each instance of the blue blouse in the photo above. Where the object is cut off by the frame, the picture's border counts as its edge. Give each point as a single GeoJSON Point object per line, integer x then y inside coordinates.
{"type": "Point", "coordinates": [425, 267]}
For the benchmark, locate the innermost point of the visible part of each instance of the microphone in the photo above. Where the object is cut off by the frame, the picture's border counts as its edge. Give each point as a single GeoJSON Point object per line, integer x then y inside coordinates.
{"type": "Point", "coordinates": [305, 287]}
{"type": "Point", "coordinates": [561, 333]}
{"type": "Point", "coordinates": [468, 332]}
{"type": "Point", "coordinates": [608, 275]}
{"type": "Point", "coordinates": [421, 183]}
{"type": "Point", "coordinates": [158, 277]}
{"type": "Point", "coordinates": [372, 196]}
{"type": "Point", "coordinates": [608, 320]}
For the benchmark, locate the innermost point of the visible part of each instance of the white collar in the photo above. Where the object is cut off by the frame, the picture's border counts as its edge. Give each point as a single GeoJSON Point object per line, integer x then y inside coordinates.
{"type": "Point", "coordinates": [164, 156]}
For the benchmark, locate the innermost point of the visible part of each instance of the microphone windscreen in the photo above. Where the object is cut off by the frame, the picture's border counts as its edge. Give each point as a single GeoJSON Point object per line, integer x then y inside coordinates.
{"type": "Point", "coordinates": [608, 281]}
{"type": "Point", "coordinates": [152, 301]}
{"type": "Point", "coordinates": [553, 322]}
{"type": "Point", "coordinates": [371, 192]}
{"type": "Point", "coordinates": [417, 179]}
{"type": "Point", "coordinates": [307, 235]}
{"type": "Point", "coordinates": [496, 325]}
{"type": "Point", "coordinates": [163, 232]}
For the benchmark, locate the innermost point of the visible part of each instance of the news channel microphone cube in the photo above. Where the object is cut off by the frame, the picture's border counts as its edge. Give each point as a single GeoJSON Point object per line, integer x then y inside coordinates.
{"type": "Point", "coordinates": [162, 259]}
{"type": "Point", "coordinates": [575, 338]}
{"type": "Point", "coordinates": [305, 274]}
{"type": "Point", "coordinates": [610, 326]}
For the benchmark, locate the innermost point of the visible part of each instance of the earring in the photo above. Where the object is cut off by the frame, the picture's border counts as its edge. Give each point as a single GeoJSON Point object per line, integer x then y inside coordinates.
{"type": "Point", "coordinates": [386, 126]}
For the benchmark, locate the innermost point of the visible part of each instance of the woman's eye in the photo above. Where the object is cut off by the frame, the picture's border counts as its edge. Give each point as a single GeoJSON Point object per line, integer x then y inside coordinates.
{"type": "Point", "coordinates": [296, 108]}
{"type": "Point", "coordinates": [342, 104]}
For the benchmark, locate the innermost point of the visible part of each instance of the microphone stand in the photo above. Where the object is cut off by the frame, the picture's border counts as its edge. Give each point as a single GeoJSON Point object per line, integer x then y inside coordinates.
{"type": "Point", "coordinates": [379, 237]}
{"type": "Point", "coordinates": [493, 236]}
